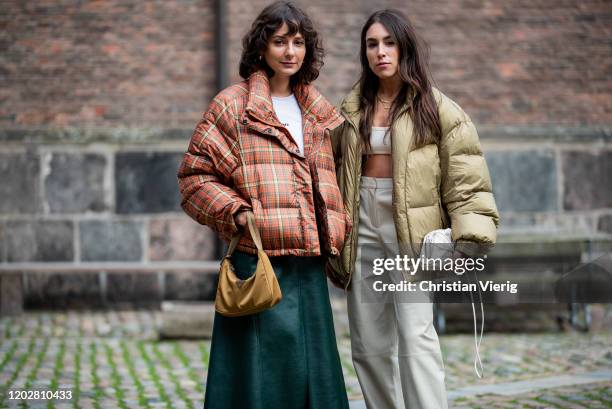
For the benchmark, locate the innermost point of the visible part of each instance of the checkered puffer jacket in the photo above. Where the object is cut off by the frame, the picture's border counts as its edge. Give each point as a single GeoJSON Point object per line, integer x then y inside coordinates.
{"type": "Point", "coordinates": [241, 157]}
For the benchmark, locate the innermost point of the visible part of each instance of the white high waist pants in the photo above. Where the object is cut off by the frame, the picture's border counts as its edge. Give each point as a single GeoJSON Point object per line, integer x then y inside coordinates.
{"type": "Point", "coordinates": [395, 347]}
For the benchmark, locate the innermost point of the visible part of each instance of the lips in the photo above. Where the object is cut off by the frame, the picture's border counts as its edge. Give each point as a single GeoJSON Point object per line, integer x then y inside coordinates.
{"type": "Point", "coordinates": [288, 64]}
{"type": "Point", "coordinates": [383, 64]}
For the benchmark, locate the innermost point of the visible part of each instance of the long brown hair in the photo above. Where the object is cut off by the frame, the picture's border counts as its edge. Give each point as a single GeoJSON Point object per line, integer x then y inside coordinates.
{"type": "Point", "coordinates": [413, 70]}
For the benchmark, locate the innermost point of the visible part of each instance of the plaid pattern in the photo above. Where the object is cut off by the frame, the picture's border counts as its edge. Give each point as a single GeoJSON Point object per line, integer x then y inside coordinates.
{"type": "Point", "coordinates": [241, 157]}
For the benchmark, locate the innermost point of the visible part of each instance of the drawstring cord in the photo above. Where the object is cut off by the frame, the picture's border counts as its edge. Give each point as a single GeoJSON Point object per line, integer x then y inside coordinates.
{"type": "Point", "coordinates": [477, 341]}
{"type": "Point", "coordinates": [443, 236]}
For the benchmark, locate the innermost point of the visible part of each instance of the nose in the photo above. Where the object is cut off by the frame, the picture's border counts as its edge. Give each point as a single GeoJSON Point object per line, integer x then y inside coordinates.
{"type": "Point", "coordinates": [381, 52]}
{"type": "Point", "coordinates": [289, 51]}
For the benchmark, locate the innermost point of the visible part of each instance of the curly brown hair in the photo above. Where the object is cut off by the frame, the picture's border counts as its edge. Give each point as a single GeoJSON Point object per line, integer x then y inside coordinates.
{"type": "Point", "coordinates": [255, 42]}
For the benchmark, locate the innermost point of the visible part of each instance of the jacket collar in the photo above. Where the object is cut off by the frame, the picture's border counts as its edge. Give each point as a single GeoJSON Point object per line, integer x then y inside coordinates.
{"type": "Point", "coordinates": [315, 108]}
{"type": "Point", "coordinates": [350, 105]}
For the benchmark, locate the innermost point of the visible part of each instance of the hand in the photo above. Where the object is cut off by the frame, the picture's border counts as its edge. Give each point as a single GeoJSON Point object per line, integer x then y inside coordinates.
{"type": "Point", "coordinates": [466, 248]}
{"type": "Point", "coordinates": [241, 219]}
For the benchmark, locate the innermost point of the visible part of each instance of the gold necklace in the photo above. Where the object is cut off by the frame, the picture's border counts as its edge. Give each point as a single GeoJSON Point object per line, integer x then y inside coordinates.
{"type": "Point", "coordinates": [384, 103]}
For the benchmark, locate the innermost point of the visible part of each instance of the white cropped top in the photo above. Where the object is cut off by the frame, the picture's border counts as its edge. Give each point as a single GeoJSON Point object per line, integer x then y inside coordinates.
{"type": "Point", "coordinates": [380, 141]}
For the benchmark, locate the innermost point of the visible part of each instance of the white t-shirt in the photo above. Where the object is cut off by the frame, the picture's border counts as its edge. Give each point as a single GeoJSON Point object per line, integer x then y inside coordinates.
{"type": "Point", "coordinates": [288, 112]}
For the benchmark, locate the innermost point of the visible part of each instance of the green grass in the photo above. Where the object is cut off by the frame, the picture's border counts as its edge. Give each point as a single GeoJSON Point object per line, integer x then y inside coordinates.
{"type": "Point", "coordinates": [8, 324]}
{"type": "Point", "coordinates": [348, 366]}
{"type": "Point", "coordinates": [57, 371]}
{"type": "Point", "coordinates": [205, 354]}
{"type": "Point", "coordinates": [127, 358]}
{"type": "Point", "coordinates": [98, 392]}
{"type": "Point", "coordinates": [153, 374]}
{"type": "Point", "coordinates": [21, 330]}
{"type": "Point", "coordinates": [180, 355]}
{"type": "Point", "coordinates": [546, 403]}
{"type": "Point", "coordinates": [115, 378]}
{"type": "Point", "coordinates": [76, 393]}
{"type": "Point", "coordinates": [40, 356]}
{"type": "Point", "coordinates": [177, 386]}
{"type": "Point", "coordinates": [23, 359]}
{"type": "Point", "coordinates": [8, 355]}
{"type": "Point", "coordinates": [39, 327]}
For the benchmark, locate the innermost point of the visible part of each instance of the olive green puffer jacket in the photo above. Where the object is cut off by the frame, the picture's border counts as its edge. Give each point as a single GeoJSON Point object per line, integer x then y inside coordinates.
{"type": "Point", "coordinates": [451, 175]}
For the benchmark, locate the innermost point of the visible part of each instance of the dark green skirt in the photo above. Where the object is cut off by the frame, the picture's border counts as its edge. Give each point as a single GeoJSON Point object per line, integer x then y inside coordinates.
{"type": "Point", "coordinates": [282, 358]}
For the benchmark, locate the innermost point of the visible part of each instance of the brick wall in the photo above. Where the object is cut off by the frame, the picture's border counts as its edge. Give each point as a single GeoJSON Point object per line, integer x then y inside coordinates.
{"type": "Point", "coordinates": [151, 64]}
{"type": "Point", "coordinates": [506, 62]}
{"type": "Point", "coordinates": [110, 63]}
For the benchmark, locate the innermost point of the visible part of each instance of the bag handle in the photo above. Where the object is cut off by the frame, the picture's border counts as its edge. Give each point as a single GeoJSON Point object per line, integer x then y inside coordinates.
{"type": "Point", "coordinates": [254, 235]}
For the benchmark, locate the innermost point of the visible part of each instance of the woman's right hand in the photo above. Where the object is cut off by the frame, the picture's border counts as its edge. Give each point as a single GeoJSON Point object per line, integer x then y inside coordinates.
{"type": "Point", "coordinates": [241, 219]}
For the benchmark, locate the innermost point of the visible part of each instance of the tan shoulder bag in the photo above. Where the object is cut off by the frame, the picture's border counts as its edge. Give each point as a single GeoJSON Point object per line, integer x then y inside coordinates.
{"type": "Point", "coordinates": [236, 297]}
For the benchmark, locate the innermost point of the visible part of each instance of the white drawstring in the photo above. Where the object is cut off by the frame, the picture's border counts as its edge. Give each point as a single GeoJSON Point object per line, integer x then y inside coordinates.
{"type": "Point", "coordinates": [443, 236]}
{"type": "Point", "coordinates": [477, 360]}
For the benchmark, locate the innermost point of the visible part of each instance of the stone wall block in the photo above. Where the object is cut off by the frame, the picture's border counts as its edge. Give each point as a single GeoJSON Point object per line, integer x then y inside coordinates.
{"type": "Point", "coordinates": [181, 239]}
{"type": "Point", "coordinates": [47, 240]}
{"type": "Point", "coordinates": [45, 290]}
{"type": "Point", "coordinates": [524, 181]}
{"type": "Point", "coordinates": [587, 180]}
{"type": "Point", "coordinates": [191, 286]}
{"type": "Point", "coordinates": [604, 223]}
{"type": "Point", "coordinates": [19, 183]}
{"type": "Point", "coordinates": [146, 182]}
{"type": "Point", "coordinates": [136, 289]}
{"type": "Point", "coordinates": [75, 183]}
{"type": "Point", "coordinates": [103, 240]}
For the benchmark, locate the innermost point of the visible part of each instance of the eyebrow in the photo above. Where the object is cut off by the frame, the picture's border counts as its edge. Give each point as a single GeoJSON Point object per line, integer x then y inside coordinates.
{"type": "Point", "coordinates": [282, 36]}
{"type": "Point", "coordinates": [374, 39]}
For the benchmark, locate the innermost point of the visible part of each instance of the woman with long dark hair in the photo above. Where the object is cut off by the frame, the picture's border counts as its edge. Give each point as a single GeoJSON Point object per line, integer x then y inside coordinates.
{"type": "Point", "coordinates": [407, 158]}
{"type": "Point", "coordinates": [263, 146]}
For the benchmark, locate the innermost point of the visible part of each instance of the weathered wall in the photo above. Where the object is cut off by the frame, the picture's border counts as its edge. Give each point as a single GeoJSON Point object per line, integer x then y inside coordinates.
{"type": "Point", "coordinates": [98, 100]}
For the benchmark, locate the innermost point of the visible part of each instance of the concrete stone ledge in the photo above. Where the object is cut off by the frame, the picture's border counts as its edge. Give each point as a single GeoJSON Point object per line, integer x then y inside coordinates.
{"type": "Point", "coordinates": [140, 135]}
{"type": "Point", "coordinates": [187, 319]}
{"type": "Point", "coordinates": [180, 319]}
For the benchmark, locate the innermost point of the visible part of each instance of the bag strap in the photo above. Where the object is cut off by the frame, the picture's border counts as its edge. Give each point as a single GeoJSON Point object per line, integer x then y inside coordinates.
{"type": "Point", "coordinates": [254, 235]}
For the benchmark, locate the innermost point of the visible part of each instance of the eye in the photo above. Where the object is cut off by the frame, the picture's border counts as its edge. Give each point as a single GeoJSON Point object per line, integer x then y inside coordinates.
{"type": "Point", "coordinates": [299, 43]}
{"type": "Point", "coordinates": [371, 45]}
{"type": "Point", "coordinates": [278, 41]}
{"type": "Point", "coordinates": [390, 42]}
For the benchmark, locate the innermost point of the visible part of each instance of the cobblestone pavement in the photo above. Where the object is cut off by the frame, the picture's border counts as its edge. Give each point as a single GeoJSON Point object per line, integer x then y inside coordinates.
{"type": "Point", "coordinates": [113, 360]}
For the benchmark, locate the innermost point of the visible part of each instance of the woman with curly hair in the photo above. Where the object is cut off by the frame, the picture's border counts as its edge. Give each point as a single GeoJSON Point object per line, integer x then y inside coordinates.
{"type": "Point", "coordinates": [264, 147]}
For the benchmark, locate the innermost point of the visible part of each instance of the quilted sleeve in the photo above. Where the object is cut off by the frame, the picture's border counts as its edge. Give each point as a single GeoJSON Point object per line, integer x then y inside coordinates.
{"type": "Point", "coordinates": [466, 185]}
{"type": "Point", "coordinates": [204, 174]}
